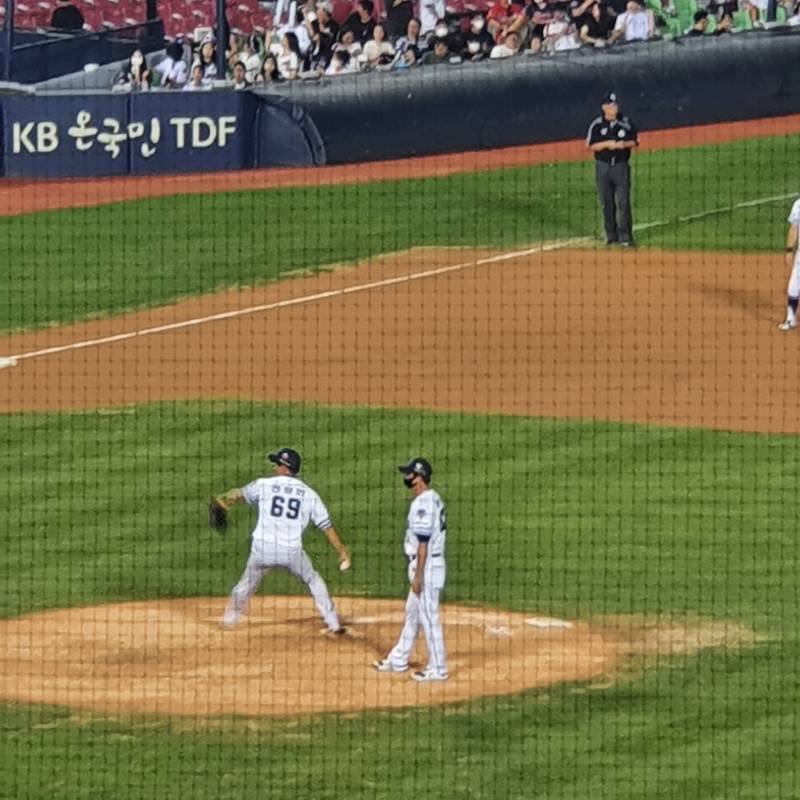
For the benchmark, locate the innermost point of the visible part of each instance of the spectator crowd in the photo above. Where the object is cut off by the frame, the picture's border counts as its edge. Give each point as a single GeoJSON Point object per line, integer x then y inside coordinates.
{"type": "Point", "coordinates": [407, 33]}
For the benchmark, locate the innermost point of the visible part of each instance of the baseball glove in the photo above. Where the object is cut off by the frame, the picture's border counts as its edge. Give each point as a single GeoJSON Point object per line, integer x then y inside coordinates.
{"type": "Point", "coordinates": [217, 515]}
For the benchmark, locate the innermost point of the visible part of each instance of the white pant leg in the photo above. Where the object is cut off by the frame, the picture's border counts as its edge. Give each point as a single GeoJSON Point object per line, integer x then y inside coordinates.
{"type": "Point", "coordinates": [301, 567]}
{"type": "Point", "coordinates": [247, 586]}
{"type": "Point", "coordinates": [401, 652]}
{"type": "Point", "coordinates": [793, 289]}
{"type": "Point", "coordinates": [432, 628]}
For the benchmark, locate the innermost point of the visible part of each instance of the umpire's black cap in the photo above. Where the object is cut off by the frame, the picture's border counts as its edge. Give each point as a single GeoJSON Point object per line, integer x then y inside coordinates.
{"type": "Point", "coordinates": [287, 457]}
{"type": "Point", "coordinates": [418, 466]}
{"type": "Point", "coordinates": [611, 97]}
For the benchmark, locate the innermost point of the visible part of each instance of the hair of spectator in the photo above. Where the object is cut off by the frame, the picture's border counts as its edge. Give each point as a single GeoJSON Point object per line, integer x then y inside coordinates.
{"type": "Point", "coordinates": [700, 15]}
{"type": "Point", "coordinates": [291, 40]}
{"type": "Point", "coordinates": [368, 6]}
{"type": "Point", "coordinates": [175, 50]}
{"type": "Point", "coordinates": [272, 62]}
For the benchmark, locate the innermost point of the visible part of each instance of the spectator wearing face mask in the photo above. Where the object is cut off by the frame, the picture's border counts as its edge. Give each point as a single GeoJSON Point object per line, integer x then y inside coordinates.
{"type": "Point", "coordinates": [478, 42]}
{"type": "Point", "coordinates": [430, 12]}
{"type": "Point", "coordinates": [135, 75]}
{"type": "Point", "coordinates": [441, 31]}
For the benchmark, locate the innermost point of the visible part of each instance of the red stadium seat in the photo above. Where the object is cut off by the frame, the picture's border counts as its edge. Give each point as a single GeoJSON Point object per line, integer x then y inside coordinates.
{"type": "Point", "coordinates": [341, 10]}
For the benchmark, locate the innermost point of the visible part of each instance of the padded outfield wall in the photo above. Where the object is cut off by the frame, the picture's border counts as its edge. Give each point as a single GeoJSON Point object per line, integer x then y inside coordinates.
{"type": "Point", "coordinates": [392, 115]}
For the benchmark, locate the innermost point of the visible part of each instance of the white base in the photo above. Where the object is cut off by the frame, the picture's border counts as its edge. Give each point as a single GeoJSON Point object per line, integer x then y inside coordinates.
{"type": "Point", "coordinates": [7, 362]}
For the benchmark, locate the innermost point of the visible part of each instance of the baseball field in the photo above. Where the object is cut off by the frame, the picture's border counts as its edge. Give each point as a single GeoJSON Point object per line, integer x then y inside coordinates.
{"type": "Point", "coordinates": [614, 432]}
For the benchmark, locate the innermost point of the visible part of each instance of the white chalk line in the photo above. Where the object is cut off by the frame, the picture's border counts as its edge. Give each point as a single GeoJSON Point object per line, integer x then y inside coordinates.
{"type": "Point", "coordinates": [297, 301]}
{"type": "Point", "coordinates": [546, 247]}
{"type": "Point", "coordinates": [759, 201]}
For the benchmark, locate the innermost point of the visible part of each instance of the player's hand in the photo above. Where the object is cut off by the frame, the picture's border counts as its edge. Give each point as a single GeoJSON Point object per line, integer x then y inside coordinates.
{"type": "Point", "coordinates": [344, 561]}
{"type": "Point", "coordinates": [416, 584]}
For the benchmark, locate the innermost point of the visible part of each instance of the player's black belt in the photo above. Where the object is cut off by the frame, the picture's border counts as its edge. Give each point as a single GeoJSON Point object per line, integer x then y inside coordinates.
{"type": "Point", "coordinates": [432, 555]}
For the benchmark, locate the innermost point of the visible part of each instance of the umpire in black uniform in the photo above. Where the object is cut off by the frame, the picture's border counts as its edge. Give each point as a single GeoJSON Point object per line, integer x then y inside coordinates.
{"type": "Point", "coordinates": [611, 137]}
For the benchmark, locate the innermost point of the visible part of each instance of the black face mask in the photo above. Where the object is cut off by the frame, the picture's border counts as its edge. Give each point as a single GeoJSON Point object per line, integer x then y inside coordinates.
{"type": "Point", "coordinates": [409, 479]}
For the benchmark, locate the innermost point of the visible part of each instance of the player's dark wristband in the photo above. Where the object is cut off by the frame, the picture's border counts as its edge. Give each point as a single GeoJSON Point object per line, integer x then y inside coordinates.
{"type": "Point", "coordinates": [789, 249]}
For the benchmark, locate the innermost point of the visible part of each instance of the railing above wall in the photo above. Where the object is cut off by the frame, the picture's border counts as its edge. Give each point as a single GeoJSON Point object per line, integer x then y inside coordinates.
{"type": "Point", "coordinates": [52, 54]}
{"type": "Point", "coordinates": [449, 108]}
{"type": "Point", "coordinates": [531, 99]}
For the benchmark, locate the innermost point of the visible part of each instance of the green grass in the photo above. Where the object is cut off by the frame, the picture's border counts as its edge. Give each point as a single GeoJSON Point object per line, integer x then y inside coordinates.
{"type": "Point", "coordinates": [73, 264]}
{"type": "Point", "coordinates": [565, 518]}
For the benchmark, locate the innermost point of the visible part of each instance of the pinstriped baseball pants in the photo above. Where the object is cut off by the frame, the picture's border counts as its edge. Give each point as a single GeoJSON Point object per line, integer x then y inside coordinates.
{"type": "Point", "coordinates": [422, 611]}
{"type": "Point", "coordinates": [294, 561]}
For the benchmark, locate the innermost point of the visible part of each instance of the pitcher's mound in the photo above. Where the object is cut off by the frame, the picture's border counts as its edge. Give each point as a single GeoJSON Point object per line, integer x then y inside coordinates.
{"type": "Point", "coordinates": [169, 657]}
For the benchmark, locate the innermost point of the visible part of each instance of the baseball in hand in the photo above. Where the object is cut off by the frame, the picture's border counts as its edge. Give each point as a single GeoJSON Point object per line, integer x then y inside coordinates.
{"type": "Point", "coordinates": [344, 564]}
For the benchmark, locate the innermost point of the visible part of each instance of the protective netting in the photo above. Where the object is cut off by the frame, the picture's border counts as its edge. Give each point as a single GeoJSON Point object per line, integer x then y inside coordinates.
{"type": "Point", "coordinates": [535, 413]}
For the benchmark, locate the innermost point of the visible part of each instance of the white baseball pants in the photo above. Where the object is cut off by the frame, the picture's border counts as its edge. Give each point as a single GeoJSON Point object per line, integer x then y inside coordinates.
{"type": "Point", "coordinates": [793, 289]}
{"type": "Point", "coordinates": [422, 611]}
{"type": "Point", "coordinates": [294, 561]}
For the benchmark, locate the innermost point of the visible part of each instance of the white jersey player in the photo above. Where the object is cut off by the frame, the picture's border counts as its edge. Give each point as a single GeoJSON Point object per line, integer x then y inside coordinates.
{"type": "Point", "coordinates": [424, 546]}
{"type": "Point", "coordinates": [793, 262]}
{"type": "Point", "coordinates": [285, 505]}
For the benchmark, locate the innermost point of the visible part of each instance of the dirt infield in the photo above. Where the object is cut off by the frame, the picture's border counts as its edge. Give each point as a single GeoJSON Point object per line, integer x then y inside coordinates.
{"type": "Point", "coordinates": [684, 339]}
{"type": "Point", "coordinates": [23, 197]}
{"type": "Point", "coordinates": [169, 657]}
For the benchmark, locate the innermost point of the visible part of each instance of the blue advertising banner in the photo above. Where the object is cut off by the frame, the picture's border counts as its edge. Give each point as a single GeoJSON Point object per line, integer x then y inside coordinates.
{"type": "Point", "coordinates": [107, 134]}
{"type": "Point", "coordinates": [194, 131]}
{"type": "Point", "coordinates": [75, 136]}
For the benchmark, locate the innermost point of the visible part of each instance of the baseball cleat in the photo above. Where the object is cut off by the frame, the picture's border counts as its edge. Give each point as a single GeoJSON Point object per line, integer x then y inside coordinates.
{"type": "Point", "coordinates": [788, 325]}
{"type": "Point", "coordinates": [384, 665]}
{"type": "Point", "coordinates": [426, 676]}
{"type": "Point", "coordinates": [340, 631]}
